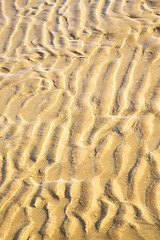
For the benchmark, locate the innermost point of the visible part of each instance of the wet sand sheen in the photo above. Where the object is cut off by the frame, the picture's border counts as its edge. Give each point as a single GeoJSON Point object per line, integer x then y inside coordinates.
{"type": "Point", "coordinates": [79, 119]}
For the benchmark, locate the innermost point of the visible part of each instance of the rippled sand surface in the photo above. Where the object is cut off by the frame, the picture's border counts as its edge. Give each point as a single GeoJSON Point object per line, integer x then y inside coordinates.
{"type": "Point", "coordinates": [80, 119]}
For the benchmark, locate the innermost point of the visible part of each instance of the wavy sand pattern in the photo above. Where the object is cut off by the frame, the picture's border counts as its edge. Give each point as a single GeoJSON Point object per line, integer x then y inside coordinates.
{"type": "Point", "coordinates": [79, 119]}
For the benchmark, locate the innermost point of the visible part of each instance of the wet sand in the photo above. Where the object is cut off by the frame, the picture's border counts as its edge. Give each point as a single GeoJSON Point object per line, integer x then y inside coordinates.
{"type": "Point", "coordinates": [79, 120]}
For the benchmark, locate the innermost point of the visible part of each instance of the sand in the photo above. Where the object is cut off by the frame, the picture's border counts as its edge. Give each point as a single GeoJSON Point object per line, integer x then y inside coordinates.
{"type": "Point", "coordinates": [79, 120]}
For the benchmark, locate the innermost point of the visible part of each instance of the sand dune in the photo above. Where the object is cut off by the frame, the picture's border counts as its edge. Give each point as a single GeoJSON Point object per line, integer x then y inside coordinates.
{"type": "Point", "coordinates": [79, 119]}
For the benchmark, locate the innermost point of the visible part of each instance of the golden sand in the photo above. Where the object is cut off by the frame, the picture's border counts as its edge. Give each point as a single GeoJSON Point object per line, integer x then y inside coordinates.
{"type": "Point", "coordinates": [79, 119]}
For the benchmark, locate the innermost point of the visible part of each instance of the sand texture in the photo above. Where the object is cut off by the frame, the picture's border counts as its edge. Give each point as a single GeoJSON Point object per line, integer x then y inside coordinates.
{"type": "Point", "coordinates": [79, 119]}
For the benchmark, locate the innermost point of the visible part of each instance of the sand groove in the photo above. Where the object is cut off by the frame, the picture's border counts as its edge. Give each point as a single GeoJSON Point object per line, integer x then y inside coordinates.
{"type": "Point", "coordinates": [79, 119]}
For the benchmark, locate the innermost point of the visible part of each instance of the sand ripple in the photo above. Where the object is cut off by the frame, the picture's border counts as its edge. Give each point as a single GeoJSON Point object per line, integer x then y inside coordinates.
{"type": "Point", "coordinates": [79, 119]}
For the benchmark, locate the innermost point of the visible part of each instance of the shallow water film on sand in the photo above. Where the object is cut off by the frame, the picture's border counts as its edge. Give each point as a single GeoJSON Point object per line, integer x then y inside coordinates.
{"type": "Point", "coordinates": [79, 119]}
